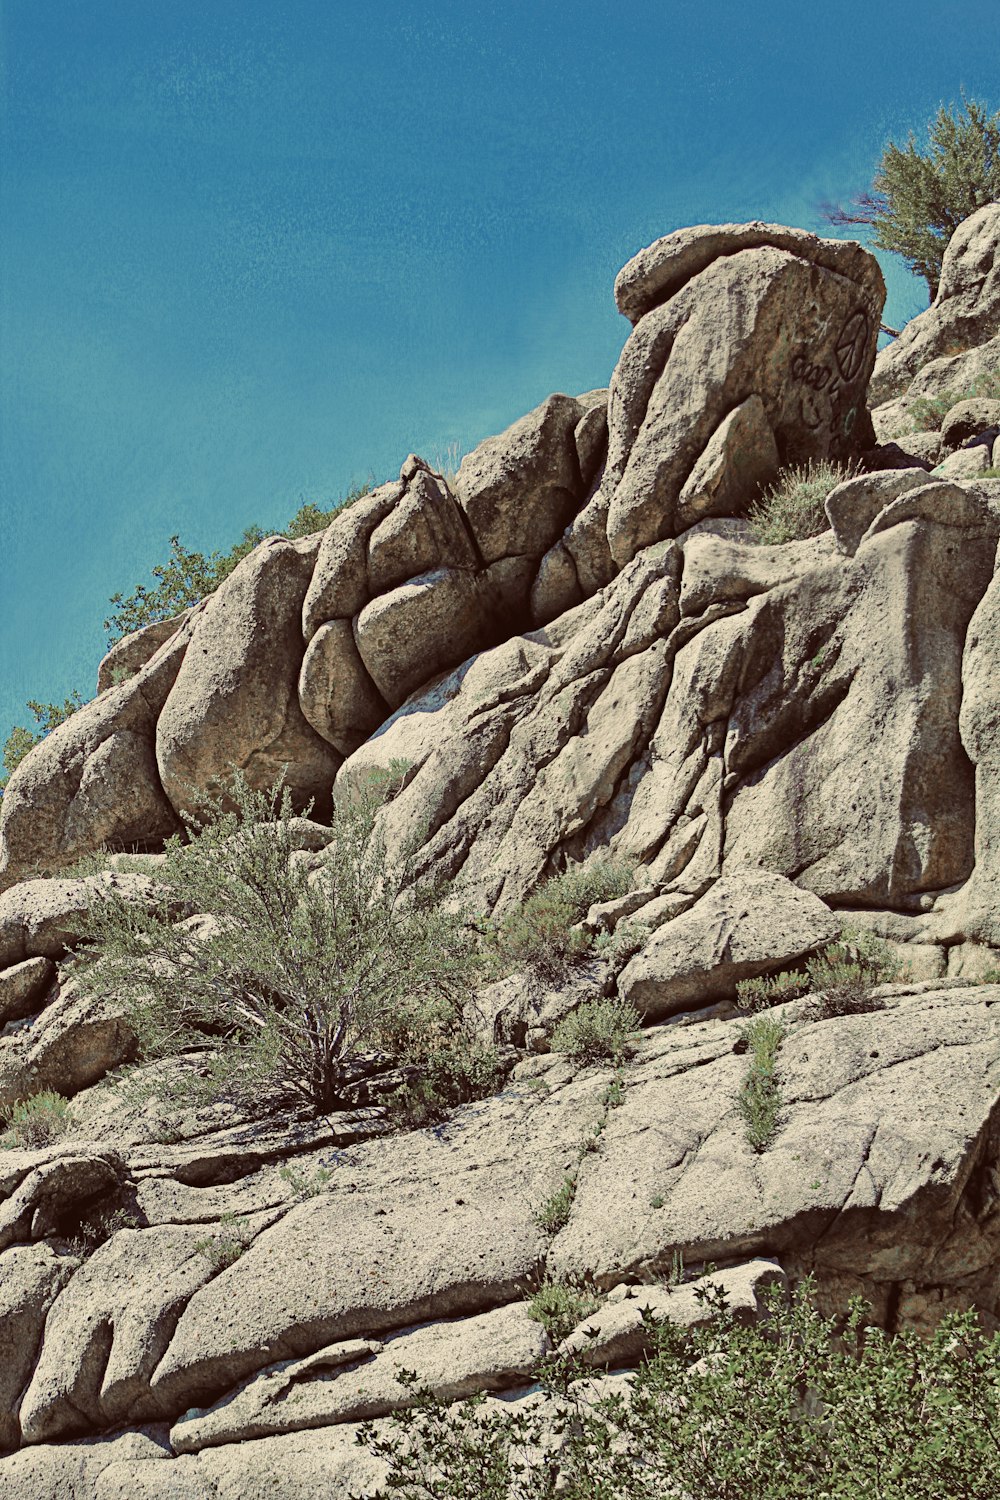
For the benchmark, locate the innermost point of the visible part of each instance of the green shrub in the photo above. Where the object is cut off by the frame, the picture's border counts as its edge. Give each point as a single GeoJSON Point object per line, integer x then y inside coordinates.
{"type": "Point", "coordinates": [560, 1305]}
{"type": "Point", "coordinates": [288, 973]}
{"type": "Point", "coordinates": [38, 1120]}
{"type": "Point", "coordinates": [794, 1406]}
{"type": "Point", "coordinates": [226, 1247]}
{"type": "Point", "coordinates": [21, 741]}
{"type": "Point", "coordinates": [759, 1099]}
{"type": "Point", "coordinates": [596, 1030]}
{"type": "Point", "coordinates": [540, 933]}
{"type": "Point", "coordinates": [844, 974]}
{"type": "Point", "coordinates": [186, 576]}
{"type": "Point", "coordinates": [928, 412]}
{"type": "Point", "coordinates": [306, 1184]}
{"type": "Point", "coordinates": [453, 1071]}
{"type": "Point", "coordinates": [792, 509]}
{"type": "Point", "coordinates": [555, 1211]}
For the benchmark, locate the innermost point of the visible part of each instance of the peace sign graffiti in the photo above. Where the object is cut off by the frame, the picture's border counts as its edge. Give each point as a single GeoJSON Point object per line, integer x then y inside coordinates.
{"type": "Point", "coordinates": [852, 345]}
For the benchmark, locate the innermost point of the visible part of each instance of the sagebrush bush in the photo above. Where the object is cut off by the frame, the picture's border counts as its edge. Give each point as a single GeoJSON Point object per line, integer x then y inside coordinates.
{"type": "Point", "coordinates": [540, 934]}
{"type": "Point", "coordinates": [793, 1406]}
{"type": "Point", "coordinates": [928, 412]}
{"type": "Point", "coordinates": [792, 508]}
{"type": "Point", "coordinates": [276, 975]}
{"type": "Point", "coordinates": [38, 1120]}
{"type": "Point", "coordinates": [758, 1101]}
{"type": "Point", "coordinates": [843, 974]}
{"type": "Point", "coordinates": [555, 1211]}
{"type": "Point", "coordinates": [597, 1030]}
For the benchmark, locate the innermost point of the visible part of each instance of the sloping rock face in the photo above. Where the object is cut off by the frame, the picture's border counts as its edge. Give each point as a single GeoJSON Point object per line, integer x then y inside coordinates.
{"type": "Point", "coordinates": [420, 1250]}
{"type": "Point", "coordinates": [577, 652]}
{"type": "Point", "coordinates": [964, 315]}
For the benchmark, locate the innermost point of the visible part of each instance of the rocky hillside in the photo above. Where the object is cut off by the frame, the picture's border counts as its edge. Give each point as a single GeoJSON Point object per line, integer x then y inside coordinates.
{"type": "Point", "coordinates": [576, 651]}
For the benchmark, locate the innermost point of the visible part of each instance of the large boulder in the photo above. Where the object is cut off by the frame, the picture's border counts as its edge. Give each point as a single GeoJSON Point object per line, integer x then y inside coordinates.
{"type": "Point", "coordinates": [93, 782]}
{"type": "Point", "coordinates": [964, 314]}
{"type": "Point", "coordinates": [235, 706]}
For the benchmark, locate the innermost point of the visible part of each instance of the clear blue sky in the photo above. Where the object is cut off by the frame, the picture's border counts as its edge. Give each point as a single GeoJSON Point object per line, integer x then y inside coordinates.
{"type": "Point", "coordinates": [256, 250]}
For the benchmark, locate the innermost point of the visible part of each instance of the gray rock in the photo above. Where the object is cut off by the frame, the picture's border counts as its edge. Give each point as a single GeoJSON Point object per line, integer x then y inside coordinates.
{"type": "Point", "coordinates": [31, 1277]}
{"type": "Point", "coordinates": [23, 987]}
{"type": "Point", "coordinates": [235, 705]}
{"type": "Point", "coordinates": [745, 926]}
{"type": "Point", "coordinates": [853, 505]}
{"type": "Point", "coordinates": [133, 651]}
{"type": "Point", "coordinates": [965, 312]}
{"type": "Point", "coordinates": [969, 418]}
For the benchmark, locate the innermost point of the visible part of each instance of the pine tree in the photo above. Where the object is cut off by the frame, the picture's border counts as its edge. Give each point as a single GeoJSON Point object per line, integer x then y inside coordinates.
{"type": "Point", "coordinates": [920, 197]}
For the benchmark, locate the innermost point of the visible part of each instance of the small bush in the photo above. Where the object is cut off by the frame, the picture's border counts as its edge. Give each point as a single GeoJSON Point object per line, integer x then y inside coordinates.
{"type": "Point", "coordinates": [452, 1072]}
{"type": "Point", "coordinates": [226, 1247]}
{"type": "Point", "coordinates": [38, 1120]}
{"type": "Point", "coordinates": [928, 412]}
{"type": "Point", "coordinates": [597, 1030]}
{"type": "Point", "coordinates": [540, 933]}
{"type": "Point", "coordinates": [843, 974]}
{"type": "Point", "coordinates": [306, 1184]}
{"type": "Point", "coordinates": [792, 509]}
{"type": "Point", "coordinates": [759, 1099]}
{"type": "Point", "coordinates": [292, 972]}
{"type": "Point", "coordinates": [555, 1211]}
{"type": "Point", "coordinates": [560, 1305]}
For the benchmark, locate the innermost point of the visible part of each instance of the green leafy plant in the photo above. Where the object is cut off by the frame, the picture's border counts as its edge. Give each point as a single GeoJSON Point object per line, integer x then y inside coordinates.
{"type": "Point", "coordinates": [225, 1248]}
{"type": "Point", "coordinates": [758, 1102]}
{"type": "Point", "coordinates": [555, 1211]}
{"type": "Point", "coordinates": [38, 1120]}
{"type": "Point", "coordinates": [453, 1070]}
{"type": "Point", "coordinates": [543, 933]}
{"type": "Point", "coordinates": [560, 1305]}
{"type": "Point", "coordinates": [928, 412]}
{"type": "Point", "coordinates": [188, 576]}
{"type": "Point", "coordinates": [920, 195]}
{"type": "Point", "coordinates": [597, 1030]}
{"type": "Point", "coordinates": [795, 1405]}
{"type": "Point", "coordinates": [792, 508]}
{"type": "Point", "coordinates": [306, 1184]}
{"type": "Point", "coordinates": [273, 977]}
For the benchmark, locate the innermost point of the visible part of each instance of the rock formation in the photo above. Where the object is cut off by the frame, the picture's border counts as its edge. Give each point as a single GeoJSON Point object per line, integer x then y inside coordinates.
{"type": "Point", "coordinates": [576, 649]}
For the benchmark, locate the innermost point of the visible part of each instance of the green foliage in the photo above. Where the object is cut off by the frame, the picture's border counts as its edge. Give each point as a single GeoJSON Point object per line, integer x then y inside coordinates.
{"type": "Point", "coordinates": [226, 1247]}
{"type": "Point", "coordinates": [38, 1120]}
{"type": "Point", "coordinates": [922, 195]}
{"type": "Point", "coordinates": [596, 1030]}
{"type": "Point", "coordinates": [453, 1070]}
{"type": "Point", "coordinates": [792, 508]}
{"type": "Point", "coordinates": [791, 1407]}
{"type": "Point", "coordinates": [306, 1184]}
{"type": "Point", "coordinates": [188, 576]}
{"type": "Point", "coordinates": [555, 1211]}
{"type": "Point", "coordinates": [759, 1099]}
{"type": "Point", "coordinates": [20, 741]}
{"type": "Point", "coordinates": [843, 974]}
{"type": "Point", "coordinates": [272, 976]}
{"type": "Point", "coordinates": [560, 1305]}
{"type": "Point", "coordinates": [928, 412]}
{"type": "Point", "coordinates": [540, 933]}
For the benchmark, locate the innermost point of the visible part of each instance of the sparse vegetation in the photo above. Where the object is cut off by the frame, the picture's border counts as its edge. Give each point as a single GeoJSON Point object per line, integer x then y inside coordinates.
{"type": "Point", "coordinates": [792, 508]}
{"type": "Point", "coordinates": [843, 975]}
{"type": "Point", "coordinates": [38, 1121]}
{"type": "Point", "coordinates": [560, 1305]}
{"type": "Point", "coordinates": [555, 1211]}
{"type": "Point", "coordinates": [225, 1248]}
{"type": "Point", "coordinates": [543, 933]}
{"type": "Point", "coordinates": [792, 1406]}
{"type": "Point", "coordinates": [928, 412]}
{"type": "Point", "coordinates": [759, 1099]}
{"type": "Point", "coordinates": [597, 1030]}
{"type": "Point", "coordinates": [272, 978]}
{"type": "Point", "coordinates": [21, 741]}
{"type": "Point", "coordinates": [306, 1184]}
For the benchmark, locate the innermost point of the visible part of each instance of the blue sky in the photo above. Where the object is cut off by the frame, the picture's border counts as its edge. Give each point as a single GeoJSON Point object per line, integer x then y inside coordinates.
{"type": "Point", "coordinates": [254, 251]}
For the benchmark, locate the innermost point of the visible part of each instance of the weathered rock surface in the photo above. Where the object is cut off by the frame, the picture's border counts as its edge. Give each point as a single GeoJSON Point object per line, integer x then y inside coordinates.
{"type": "Point", "coordinates": [235, 704]}
{"type": "Point", "coordinates": [133, 651]}
{"type": "Point", "coordinates": [965, 313]}
{"type": "Point", "coordinates": [746, 925]}
{"type": "Point", "coordinates": [23, 987]}
{"type": "Point", "coordinates": [93, 782]}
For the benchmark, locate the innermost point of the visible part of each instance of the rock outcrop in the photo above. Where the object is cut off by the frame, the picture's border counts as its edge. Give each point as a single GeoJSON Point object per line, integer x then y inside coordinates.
{"type": "Point", "coordinates": [574, 650]}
